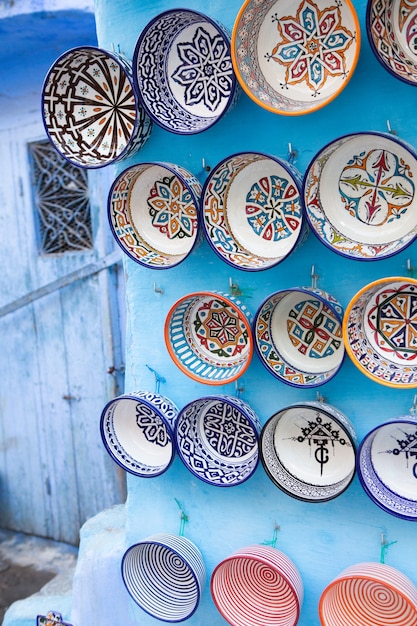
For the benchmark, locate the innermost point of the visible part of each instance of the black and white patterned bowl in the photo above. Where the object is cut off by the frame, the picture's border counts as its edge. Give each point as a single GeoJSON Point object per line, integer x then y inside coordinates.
{"type": "Point", "coordinates": [308, 450]}
{"type": "Point", "coordinates": [153, 213]}
{"type": "Point", "coordinates": [217, 439]}
{"type": "Point", "coordinates": [252, 210]}
{"type": "Point", "coordinates": [387, 468]}
{"type": "Point", "coordinates": [90, 110]}
{"type": "Point", "coordinates": [165, 575]}
{"type": "Point", "coordinates": [183, 71]}
{"type": "Point", "coordinates": [137, 432]}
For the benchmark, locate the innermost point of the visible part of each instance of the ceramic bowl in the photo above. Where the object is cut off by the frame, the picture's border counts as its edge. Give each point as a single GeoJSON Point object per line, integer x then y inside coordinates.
{"type": "Point", "coordinates": [252, 210]}
{"type": "Point", "coordinates": [137, 432]}
{"type": "Point", "coordinates": [208, 336]}
{"type": "Point", "coordinates": [387, 468]}
{"type": "Point", "coordinates": [379, 331]}
{"type": "Point", "coordinates": [258, 586]}
{"type": "Point", "coordinates": [298, 336]}
{"type": "Point", "coordinates": [165, 575]}
{"type": "Point", "coordinates": [308, 450]}
{"type": "Point", "coordinates": [91, 113]}
{"type": "Point", "coordinates": [391, 30]}
{"type": "Point", "coordinates": [360, 195]}
{"type": "Point", "coordinates": [183, 71]}
{"type": "Point", "coordinates": [295, 57]}
{"type": "Point", "coordinates": [153, 213]}
{"type": "Point", "coordinates": [217, 439]}
{"type": "Point", "coordinates": [369, 594]}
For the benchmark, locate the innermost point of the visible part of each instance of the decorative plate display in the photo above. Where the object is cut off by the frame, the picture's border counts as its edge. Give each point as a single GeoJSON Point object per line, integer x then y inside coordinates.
{"type": "Point", "coordinates": [308, 450]}
{"type": "Point", "coordinates": [208, 336]}
{"type": "Point", "coordinates": [137, 432]}
{"type": "Point", "coordinates": [387, 467]}
{"type": "Point", "coordinates": [165, 575]}
{"type": "Point", "coordinates": [298, 336]}
{"type": "Point", "coordinates": [391, 30]}
{"type": "Point", "coordinates": [183, 71]}
{"type": "Point", "coordinates": [217, 439]}
{"type": "Point", "coordinates": [252, 210]}
{"type": "Point", "coordinates": [153, 213]}
{"type": "Point", "coordinates": [360, 195]}
{"type": "Point", "coordinates": [369, 594]}
{"type": "Point", "coordinates": [90, 111]}
{"type": "Point", "coordinates": [295, 57]}
{"type": "Point", "coordinates": [380, 331]}
{"type": "Point", "coordinates": [258, 586]}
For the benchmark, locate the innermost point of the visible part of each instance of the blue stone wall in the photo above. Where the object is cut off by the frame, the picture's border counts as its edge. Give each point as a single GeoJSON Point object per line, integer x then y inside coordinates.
{"type": "Point", "coordinates": [321, 539]}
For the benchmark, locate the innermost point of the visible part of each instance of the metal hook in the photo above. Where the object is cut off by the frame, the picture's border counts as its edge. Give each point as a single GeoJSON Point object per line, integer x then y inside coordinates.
{"type": "Point", "coordinates": [413, 409]}
{"type": "Point", "coordinates": [157, 289]}
{"type": "Point", "coordinates": [205, 166]}
{"type": "Point", "coordinates": [158, 379]}
{"type": "Point", "coordinates": [319, 397]}
{"type": "Point", "coordinates": [384, 547]}
{"type": "Point", "coordinates": [292, 153]}
{"type": "Point", "coordinates": [393, 132]}
{"type": "Point", "coordinates": [410, 268]}
{"type": "Point", "coordinates": [234, 288]}
{"type": "Point", "coordinates": [314, 277]}
{"type": "Point", "coordinates": [238, 390]}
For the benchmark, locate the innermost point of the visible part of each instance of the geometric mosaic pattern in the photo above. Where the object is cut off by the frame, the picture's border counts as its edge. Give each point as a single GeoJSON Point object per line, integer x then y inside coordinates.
{"type": "Point", "coordinates": [313, 329]}
{"type": "Point", "coordinates": [172, 208]}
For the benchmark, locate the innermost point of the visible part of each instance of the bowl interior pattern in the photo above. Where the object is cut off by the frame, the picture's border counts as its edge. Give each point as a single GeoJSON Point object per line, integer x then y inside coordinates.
{"type": "Point", "coordinates": [153, 213]}
{"type": "Point", "coordinates": [137, 431]}
{"type": "Point", "coordinates": [298, 336]}
{"type": "Point", "coordinates": [294, 58]}
{"type": "Point", "coordinates": [308, 450]}
{"type": "Point", "coordinates": [387, 468]}
{"type": "Point", "coordinates": [360, 195]}
{"type": "Point", "coordinates": [252, 210]}
{"type": "Point", "coordinates": [183, 71]}
{"type": "Point", "coordinates": [90, 111]}
{"type": "Point", "coordinates": [391, 30]}
{"type": "Point", "coordinates": [217, 439]}
{"type": "Point", "coordinates": [380, 331]}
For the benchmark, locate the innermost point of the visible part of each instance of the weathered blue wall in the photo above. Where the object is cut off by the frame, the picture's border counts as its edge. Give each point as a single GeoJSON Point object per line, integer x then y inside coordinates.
{"type": "Point", "coordinates": [322, 539]}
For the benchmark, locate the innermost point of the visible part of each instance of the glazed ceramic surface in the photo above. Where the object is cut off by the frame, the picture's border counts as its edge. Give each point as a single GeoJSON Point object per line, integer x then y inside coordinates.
{"type": "Point", "coordinates": [90, 111]}
{"type": "Point", "coordinates": [298, 336]}
{"type": "Point", "coordinates": [137, 432]}
{"type": "Point", "coordinates": [258, 586]}
{"type": "Point", "coordinates": [380, 330]}
{"type": "Point", "coordinates": [208, 336]}
{"type": "Point", "coordinates": [165, 575]}
{"type": "Point", "coordinates": [387, 467]}
{"type": "Point", "coordinates": [360, 195]}
{"type": "Point", "coordinates": [217, 439]}
{"type": "Point", "coordinates": [153, 213]}
{"type": "Point", "coordinates": [252, 210]}
{"type": "Point", "coordinates": [295, 57]}
{"type": "Point", "coordinates": [391, 30]}
{"type": "Point", "coordinates": [183, 71]}
{"type": "Point", "coordinates": [308, 450]}
{"type": "Point", "coordinates": [369, 594]}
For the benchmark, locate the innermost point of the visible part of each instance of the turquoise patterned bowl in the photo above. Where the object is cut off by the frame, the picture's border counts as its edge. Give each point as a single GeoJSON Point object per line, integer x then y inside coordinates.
{"type": "Point", "coordinates": [298, 336]}
{"type": "Point", "coordinates": [153, 213]}
{"type": "Point", "coordinates": [252, 210]}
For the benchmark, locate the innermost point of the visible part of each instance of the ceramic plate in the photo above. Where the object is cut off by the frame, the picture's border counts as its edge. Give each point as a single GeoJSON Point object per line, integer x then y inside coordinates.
{"type": "Point", "coordinates": [360, 195]}
{"type": "Point", "coordinates": [295, 57]}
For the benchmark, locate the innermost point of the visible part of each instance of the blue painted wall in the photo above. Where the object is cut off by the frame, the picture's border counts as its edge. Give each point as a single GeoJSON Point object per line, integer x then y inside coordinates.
{"type": "Point", "coordinates": [322, 539]}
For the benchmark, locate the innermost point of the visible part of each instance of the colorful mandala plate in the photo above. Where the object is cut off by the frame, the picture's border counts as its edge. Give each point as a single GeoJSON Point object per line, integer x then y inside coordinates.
{"type": "Point", "coordinates": [387, 467]}
{"type": "Point", "coordinates": [137, 432]}
{"type": "Point", "coordinates": [208, 336]}
{"type": "Point", "coordinates": [90, 110]}
{"type": "Point", "coordinates": [298, 336]}
{"type": "Point", "coordinates": [391, 27]}
{"type": "Point", "coordinates": [360, 195]}
{"type": "Point", "coordinates": [294, 57]}
{"type": "Point", "coordinates": [380, 331]}
{"type": "Point", "coordinates": [153, 213]}
{"type": "Point", "coordinates": [217, 439]}
{"type": "Point", "coordinates": [183, 71]}
{"type": "Point", "coordinates": [308, 450]}
{"type": "Point", "coordinates": [252, 210]}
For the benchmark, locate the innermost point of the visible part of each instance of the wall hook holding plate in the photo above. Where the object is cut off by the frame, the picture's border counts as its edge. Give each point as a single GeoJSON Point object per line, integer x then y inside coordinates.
{"type": "Point", "coordinates": [158, 379]}
{"type": "Point", "coordinates": [314, 277]}
{"type": "Point", "coordinates": [390, 130]}
{"type": "Point", "coordinates": [292, 153]}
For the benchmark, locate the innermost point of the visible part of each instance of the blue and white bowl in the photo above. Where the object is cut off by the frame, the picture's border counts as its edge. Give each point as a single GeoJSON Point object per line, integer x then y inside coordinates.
{"type": "Point", "coordinates": [217, 439]}
{"type": "Point", "coordinates": [182, 69]}
{"type": "Point", "coordinates": [165, 575]}
{"type": "Point", "coordinates": [137, 432]}
{"type": "Point", "coordinates": [387, 467]}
